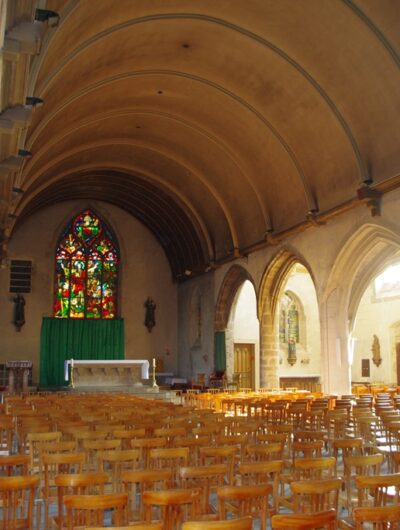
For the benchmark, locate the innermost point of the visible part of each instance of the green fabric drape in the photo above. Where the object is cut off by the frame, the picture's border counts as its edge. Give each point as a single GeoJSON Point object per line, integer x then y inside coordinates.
{"type": "Point", "coordinates": [65, 338]}
{"type": "Point", "coordinates": [219, 351]}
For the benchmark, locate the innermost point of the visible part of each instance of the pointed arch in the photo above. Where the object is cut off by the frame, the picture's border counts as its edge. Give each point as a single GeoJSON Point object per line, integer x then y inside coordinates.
{"type": "Point", "coordinates": [369, 250]}
{"type": "Point", "coordinates": [234, 278]}
{"type": "Point", "coordinates": [272, 282]}
{"type": "Point", "coordinates": [86, 265]}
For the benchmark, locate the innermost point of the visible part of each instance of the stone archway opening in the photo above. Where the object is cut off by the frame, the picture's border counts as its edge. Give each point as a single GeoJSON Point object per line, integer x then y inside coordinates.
{"type": "Point", "coordinates": [298, 333]}
{"type": "Point", "coordinates": [287, 281]}
{"type": "Point", "coordinates": [237, 329]}
{"type": "Point", "coordinates": [375, 352]}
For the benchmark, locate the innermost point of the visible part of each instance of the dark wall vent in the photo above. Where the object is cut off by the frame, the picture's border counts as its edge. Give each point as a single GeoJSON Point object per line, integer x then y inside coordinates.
{"type": "Point", "coordinates": [20, 276]}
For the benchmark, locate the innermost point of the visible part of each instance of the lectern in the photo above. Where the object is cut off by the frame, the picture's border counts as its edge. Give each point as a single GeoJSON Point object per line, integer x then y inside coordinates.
{"type": "Point", "coordinates": [18, 376]}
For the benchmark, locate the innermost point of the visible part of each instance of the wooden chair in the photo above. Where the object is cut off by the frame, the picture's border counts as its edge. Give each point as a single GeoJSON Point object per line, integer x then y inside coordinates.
{"type": "Point", "coordinates": [316, 495]}
{"type": "Point", "coordinates": [127, 435]}
{"type": "Point", "coordinates": [86, 510]}
{"type": "Point", "coordinates": [221, 455]}
{"type": "Point", "coordinates": [170, 434]}
{"type": "Point", "coordinates": [17, 498]}
{"type": "Point", "coordinates": [145, 445]}
{"type": "Point", "coordinates": [169, 458]}
{"type": "Point", "coordinates": [194, 445]}
{"type": "Point", "coordinates": [205, 478]}
{"type": "Point", "coordinates": [310, 521]}
{"type": "Point", "coordinates": [94, 447]}
{"type": "Point", "coordinates": [140, 526]}
{"type": "Point", "coordinates": [11, 465]}
{"type": "Point", "coordinates": [34, 440]}
{"type": "Point", "coordinates": [173, 506]}
{"type": "Point", "coordinates": [342, 447]}
{"type": "Point", "coordinates": [378, 490]}
{"type": "Point", "coordinates": [246, 500]}
{"type": "Point", "coordinates": [136, 482]}
{"type": "Point", "coordinates": [306, 469]}
{"type": "Point", "coordinates": [255, 473]}
{"type": "Point", "coordinates": [261, 452]}
{"type": "Point", "coordinates": [359, 465]}
{"type": "Point", "coordinates": [244, 523]}
{"type": "Point", "coordinates": [76, 484]}
{"type": "Point", "coordinates": [55, 464]}
{"type": "Point", "coordinates": [114, 462]}
{"type": "Point", "coordinates": [6, 432]}
{"type": "Point", "coordinates": [381, 517]}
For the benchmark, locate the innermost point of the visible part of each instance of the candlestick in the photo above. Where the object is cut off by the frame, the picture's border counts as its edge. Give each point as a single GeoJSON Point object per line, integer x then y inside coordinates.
{"type": "Point", "coordinates": [154, 374]}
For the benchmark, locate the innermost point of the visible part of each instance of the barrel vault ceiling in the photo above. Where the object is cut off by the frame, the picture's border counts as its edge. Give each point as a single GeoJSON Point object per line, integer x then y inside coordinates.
{"type": "Point", "coordinates": [223, 126]}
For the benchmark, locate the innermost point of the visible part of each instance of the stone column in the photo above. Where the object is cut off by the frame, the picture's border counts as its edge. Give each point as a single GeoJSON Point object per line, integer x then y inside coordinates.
{"type": "Point", "coordinates": [269, 353]}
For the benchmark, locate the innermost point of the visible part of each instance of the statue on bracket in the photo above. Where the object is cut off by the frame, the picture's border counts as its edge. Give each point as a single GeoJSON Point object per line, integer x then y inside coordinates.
{"type": "Point", "coordinates": [19, 311]}
{"type": "Point", "coordinates": [150, 318]}
{"type": "Point", "coordinates": [376, 351]}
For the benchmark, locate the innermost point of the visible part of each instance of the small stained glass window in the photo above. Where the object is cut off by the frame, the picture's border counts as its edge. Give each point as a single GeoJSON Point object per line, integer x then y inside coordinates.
{"type": "Point", "coordinates": [86, 270]}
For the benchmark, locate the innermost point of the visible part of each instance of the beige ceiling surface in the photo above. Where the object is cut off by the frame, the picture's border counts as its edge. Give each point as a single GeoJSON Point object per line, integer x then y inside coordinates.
{"type": "Point", "coordinates": [215, 123]}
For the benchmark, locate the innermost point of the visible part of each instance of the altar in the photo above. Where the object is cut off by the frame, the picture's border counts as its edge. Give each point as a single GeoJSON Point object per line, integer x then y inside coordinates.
{"type": "Point", "coordinates": [102, 373]}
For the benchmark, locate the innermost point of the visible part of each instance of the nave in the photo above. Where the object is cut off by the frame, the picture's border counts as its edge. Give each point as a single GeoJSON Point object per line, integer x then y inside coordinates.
{"type": "Point", "coordinates": [115, 460]}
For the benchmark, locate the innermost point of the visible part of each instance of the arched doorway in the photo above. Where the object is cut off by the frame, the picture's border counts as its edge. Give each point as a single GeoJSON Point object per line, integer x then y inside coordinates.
{"type": "Point", "coordinates": [376, 331]}
{"type": "Point", "coordinates": [299, 335]}
{"type": "Point", "coordinates": [285, 285]}
{"type": "Point", "coordinates": [237, 329]}
{"type": "Point", "coordinates": [362, 258]}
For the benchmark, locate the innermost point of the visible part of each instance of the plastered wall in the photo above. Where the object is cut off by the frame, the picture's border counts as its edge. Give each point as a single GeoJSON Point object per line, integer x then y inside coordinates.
{"type": "Point", "coordinates": [144, 272]}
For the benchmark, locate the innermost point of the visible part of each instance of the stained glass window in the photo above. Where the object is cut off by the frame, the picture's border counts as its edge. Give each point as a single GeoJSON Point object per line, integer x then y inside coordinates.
{"type": "Point", "coordinates": [86, 270]}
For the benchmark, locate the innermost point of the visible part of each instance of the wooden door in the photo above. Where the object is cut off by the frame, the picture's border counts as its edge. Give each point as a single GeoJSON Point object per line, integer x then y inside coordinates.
{"type": "Point", "coordinates": [398, 361]}
{"type": "Point", "coordinates": [244, 365]}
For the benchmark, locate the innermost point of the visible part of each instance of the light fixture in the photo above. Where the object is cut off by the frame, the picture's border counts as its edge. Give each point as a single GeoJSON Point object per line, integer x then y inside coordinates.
{"type": "Point", "coordinates": [45, 15]}
{"type": "Point", "coordinates": [24, 153]}
{"type": "Point", "coordinates": [33, 101]}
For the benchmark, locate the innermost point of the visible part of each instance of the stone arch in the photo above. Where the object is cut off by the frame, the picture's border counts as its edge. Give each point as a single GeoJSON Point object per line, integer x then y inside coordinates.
{"type": "Point", "coordinates": [271, 286]}
{"type": "Point", "coordinates": [366, 253]}
{"type": "Point", "coordinates": [234, 278]}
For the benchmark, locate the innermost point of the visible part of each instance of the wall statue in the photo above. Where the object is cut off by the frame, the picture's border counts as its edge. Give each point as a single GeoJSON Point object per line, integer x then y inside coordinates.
{"type": "Point", "coordinates": [376, 351]}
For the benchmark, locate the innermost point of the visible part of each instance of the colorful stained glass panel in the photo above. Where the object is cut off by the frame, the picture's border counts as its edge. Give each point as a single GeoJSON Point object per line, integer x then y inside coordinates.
{"type": "Point", "coordinates": [86, 270]}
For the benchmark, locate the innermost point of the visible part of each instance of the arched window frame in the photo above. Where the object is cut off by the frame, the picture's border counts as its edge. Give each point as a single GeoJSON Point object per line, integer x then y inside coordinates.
{"type": "Point", "coordinates": [86, 265]}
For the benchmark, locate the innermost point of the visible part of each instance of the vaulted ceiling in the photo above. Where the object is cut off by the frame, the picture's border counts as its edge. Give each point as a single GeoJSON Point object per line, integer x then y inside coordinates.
{"type": "Point", "coordinates": [221, 125]}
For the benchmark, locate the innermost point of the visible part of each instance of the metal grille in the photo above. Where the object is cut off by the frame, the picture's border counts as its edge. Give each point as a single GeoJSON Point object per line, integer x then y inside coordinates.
{"type": "Point", "coordinates": [20, 276]}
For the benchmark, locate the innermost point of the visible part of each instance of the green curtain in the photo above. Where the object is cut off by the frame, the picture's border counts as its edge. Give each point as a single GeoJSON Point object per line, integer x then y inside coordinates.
{"type": "Point", "coordinates": [219, 351]}
{"type": "Point", "coordinates": [67, 338]}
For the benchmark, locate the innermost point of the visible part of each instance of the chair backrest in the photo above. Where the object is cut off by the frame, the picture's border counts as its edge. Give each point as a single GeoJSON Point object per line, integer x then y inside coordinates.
{"type": "Point", "coordinates": [255, 473]}
{"type": "Point", "coordinates": [17, 497]}
{"type": "Point", "coordinates": [35, 439]}
{"type": "Point", "coordinates": [381, 517]}
{"type": "Point", "coordinates": [145, 445]}
{"type": "Point", "coordinates": [244, 523]}
{"type": "Point", "coordinates": [311, 521]}
{"type": "Point", "coordinates": [381, 489]}
{"type": "Point", "coordinates": [86, 510]}
{"type": "Point", "coordinates": [114, 462]}
{"type": "Point", "coordinates": [78, 484]}
{"type": "Point", "coordinates": [220, 455]}
{"type": "Point", "coordinates": [315, 468]}
{"type": "Point", "coordinates": [316, 495]}
{"type": "Point", "coordinates": [174, 506]}
{"type": "Point", "coordinates": [266, 451]}
{"type": "Point", "coordinates": [140, 526]}
{"type": "Point", "coordinates": [245, 500]}
{"type": "Point", "coordinates": [57, 463]}
{"type": "Point", "coordinates": [11, 465]}
{"type": "Point", "coordinates": [206, 478]}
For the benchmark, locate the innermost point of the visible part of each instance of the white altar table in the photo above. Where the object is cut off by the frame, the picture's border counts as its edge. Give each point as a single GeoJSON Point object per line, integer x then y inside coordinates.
{"type": "Point", "coordinates": [103, 373]}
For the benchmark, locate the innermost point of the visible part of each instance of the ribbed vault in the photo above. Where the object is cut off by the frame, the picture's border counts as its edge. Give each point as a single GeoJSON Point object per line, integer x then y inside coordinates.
{"type": "Point", "coordinates": [213, 123]}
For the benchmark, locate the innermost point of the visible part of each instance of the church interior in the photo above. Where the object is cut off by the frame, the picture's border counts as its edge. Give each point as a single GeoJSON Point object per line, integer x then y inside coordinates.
{"type": "Point", "coordinates": [199, 203]}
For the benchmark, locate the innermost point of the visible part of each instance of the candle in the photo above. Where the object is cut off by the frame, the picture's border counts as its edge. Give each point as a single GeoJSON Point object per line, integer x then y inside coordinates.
{"type": "Point", "coordinates": [154, 362]}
